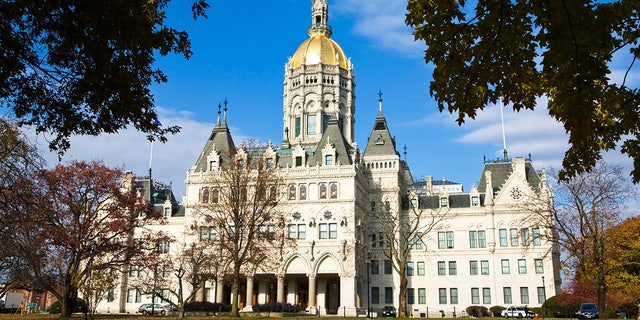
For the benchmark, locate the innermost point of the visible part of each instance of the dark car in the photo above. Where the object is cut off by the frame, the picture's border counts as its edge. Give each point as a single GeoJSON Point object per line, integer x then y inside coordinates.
{"type": "Point", "coordinates": [389, 311]}
{"type": "Point", "coordinates": [588, 311]}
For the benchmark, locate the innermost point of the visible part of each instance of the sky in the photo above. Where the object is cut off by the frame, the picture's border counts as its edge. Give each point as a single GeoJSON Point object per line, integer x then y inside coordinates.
{"type": "Point", "coordinates": [239, 55]}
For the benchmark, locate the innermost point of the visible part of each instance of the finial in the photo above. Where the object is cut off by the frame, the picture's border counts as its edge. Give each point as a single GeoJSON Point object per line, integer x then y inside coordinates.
{"type": "Point", "coordinates": [380, 100]}
{"type": "Point", "coordinates": [405, 153]}
{"type": "Point", "coordinates": [219, 111]}
{"type": "Point", "coordinates": [226, 102]}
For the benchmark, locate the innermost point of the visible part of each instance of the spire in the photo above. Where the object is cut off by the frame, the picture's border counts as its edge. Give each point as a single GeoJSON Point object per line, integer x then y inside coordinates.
{"type": "Point", "coordinates": [219, 112]}
{"type": "Point", "coordinates": [380, 100]}
{"type": "Point", "coordinates": [225, 110]}
{"type": "Point", "coordinates": [319, 19]}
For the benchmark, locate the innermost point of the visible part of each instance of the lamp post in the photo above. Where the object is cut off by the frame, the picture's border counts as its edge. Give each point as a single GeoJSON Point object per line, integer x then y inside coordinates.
{"type": "Point", "coordinates": [368, 289]}
{"type": "Point", "coordinates": [544, 296]}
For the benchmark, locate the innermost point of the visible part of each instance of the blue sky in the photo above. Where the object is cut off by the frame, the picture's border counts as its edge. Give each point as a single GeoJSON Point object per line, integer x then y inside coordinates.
{"type": "Point", "coordinates": [239, 54]}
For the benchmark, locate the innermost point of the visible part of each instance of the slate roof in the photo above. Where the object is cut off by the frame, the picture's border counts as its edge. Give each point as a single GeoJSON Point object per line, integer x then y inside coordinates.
{"type": "Point", "coordinates": [380, 142]}
{"type": "Point", "coordinates": [221, 138]}
{"type": "Point", "coordinates": [500, 172]}
{"type": "Point", "coordinates": [333, 135]}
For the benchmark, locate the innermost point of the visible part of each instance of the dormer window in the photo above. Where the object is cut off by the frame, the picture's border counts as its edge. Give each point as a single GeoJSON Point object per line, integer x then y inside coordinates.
{"type": "Point", "coordinates": [444, 202]}
{"type": "Point", "coordinates": [298, 161]}
{"type": "Point", "coordinates": [475, 201]}
{"type": "Point", "coordinates": [269, 162]}
{"type": "Point", "coordinates": [328, 160]}
{"type": "Point", "coordinates": [213, 165]}
{"type": "Point", "coordinates": [167, 212]}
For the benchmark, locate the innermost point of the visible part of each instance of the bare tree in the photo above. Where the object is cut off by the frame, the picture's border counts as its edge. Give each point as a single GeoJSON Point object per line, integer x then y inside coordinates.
{"type": "Point", "coordinates": [583, 212]}
{"type": "Point", "coordinates": [98, 286]}
{"type": "Point", "coordinates": [397, 234]}
{"type": "Point", "coordinates": [240, 205]}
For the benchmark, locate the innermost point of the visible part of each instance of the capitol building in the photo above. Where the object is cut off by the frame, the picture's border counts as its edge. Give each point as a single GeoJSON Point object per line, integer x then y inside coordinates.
{"type": "Point", "coordinates": [481, 251]}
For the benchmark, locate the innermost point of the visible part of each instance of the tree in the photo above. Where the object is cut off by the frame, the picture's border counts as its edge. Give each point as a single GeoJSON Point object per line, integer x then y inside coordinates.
{"type": "Point", "coordinates": [98, 285]}
{"type": "Point", "coordinates": [85, 67]}
{"type": "Point", "coordinates": [81, 226]}
{"type": "Point", "coordinates": [240, 206]}
{"type": "Point", "coordinates": [586, 209]}
{"type": "Point", "coordinates": [399, 233]}
{"type": "Point", "coordinates": [19, 162]}
{"type": "Point", "coordinates": [624, 254]}
{"type": "Point", "coordinates": [519, 51]}
{"type": "Point", "coordinates": [178, 276]}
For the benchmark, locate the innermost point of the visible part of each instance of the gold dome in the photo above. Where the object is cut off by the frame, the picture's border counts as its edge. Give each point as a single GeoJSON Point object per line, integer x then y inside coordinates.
{"type": "Point", "coordinates": [319, 49]}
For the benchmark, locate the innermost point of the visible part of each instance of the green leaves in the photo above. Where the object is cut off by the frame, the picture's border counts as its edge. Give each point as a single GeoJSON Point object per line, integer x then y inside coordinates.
{"type": "Point", "coordinates": [523, 50]}
{"type": "Point", "coordinates": [84, 67]}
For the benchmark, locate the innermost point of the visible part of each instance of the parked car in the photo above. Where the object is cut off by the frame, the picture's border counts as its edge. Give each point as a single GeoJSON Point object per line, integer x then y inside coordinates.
{"type": "Point", "coordinates": [588, 311]}
{"type": "Point", "coordinates": [517, 312]}
{"type": "Point", "coordinates": [150, 308]}
{"type": "Point", "coordinates": [170, 307]}
{"type": "Point", "coordinates": [389, 311]}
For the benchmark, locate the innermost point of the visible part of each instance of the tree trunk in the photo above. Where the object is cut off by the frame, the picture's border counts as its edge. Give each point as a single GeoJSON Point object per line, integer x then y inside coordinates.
{"type": "Point", "coordinates": [402, 297]}
{"type": "Point", "coordinates": [234, 298]}
{"type": "Point", "coordinates": [68, 303]}
{"type": "Point", "coordinates": [601, 291]}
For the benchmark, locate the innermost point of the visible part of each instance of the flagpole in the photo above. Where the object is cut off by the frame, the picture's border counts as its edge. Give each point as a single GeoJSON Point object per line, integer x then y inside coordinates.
{"type": "Point", "coordinates": [150, 158]}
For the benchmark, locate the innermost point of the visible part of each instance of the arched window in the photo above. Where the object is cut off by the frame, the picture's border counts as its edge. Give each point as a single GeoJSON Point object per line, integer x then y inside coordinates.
{"type": "Point", "coordinates": [204, 195]}
{"type": "Point", "coordinates": [303, 192]}
{"type": "Point", "coordinates": [323, 191]}
{"type": "Point", "coordinates": [333, 188]}
{"type": "Point", "coordinates": [292, 192]}
{"type": "Point", "coordinates": [215, 195]}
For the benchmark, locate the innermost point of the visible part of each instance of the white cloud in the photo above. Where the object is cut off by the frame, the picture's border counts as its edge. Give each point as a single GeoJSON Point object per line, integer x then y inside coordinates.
{"type": "Point", "coordinates": [131, 150]}
{"type": "Point", "coordinates": [382, 22]}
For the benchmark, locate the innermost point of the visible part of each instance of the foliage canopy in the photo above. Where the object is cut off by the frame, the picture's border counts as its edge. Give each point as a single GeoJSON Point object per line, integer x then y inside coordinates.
{"type": "Point", "coordinates": [84, 67]}
{"type": "Point", "coordinates": [521, 51]}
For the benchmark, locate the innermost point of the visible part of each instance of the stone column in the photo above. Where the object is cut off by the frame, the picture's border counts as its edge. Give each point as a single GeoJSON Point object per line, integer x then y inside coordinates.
{"type": "Point", "coordinates": [219, 291]}
{"type": "Point", "coordinates": [312, 293]}
{"type": "Point", "coordinates": [280, 293]}
{"type": "Point", "coordinates": [249, 298]}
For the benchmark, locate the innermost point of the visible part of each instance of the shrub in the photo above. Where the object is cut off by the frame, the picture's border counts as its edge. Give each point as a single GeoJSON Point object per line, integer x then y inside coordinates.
{"type": "Point", "coordinates": [276, 307]}
{"type": "Point", "coordinates": [496, 311]}
{"type": "Point", "coordinates": [81, 306]}
{"type": "Point", "coordinates": [206, 306]}
{"type": "Point", "coordinates": [477, 311]}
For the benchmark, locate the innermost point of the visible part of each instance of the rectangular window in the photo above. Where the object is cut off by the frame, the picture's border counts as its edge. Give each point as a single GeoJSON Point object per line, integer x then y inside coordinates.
{"type": "Point", "coordinates": [442, 243]}
{"type": "Point", "coordinates": [388, 295]}
{"type": "Point", "coordinates": [524, 295]}
{"type": "Point", "coordinates": [524, 232]}
{"type": "Point", "coordinates": [473, 267]}
{"type": "Point", "coordinates": [503, 238]}
{"type": "Point", "coordinates": [311, 124]}
{"type": "Point", "coordinates": [167, 212]}
{"type": "Point", "coordinates": [482, 239]}
{"type": "Point", "coordinates": [322, 231]}
{"type": "Point", "coordinates": [536, 236]}
{"type": "Point", "coordinates": [111, 295]}
{"type": "Point", "coordinates": [522, 266]}
{"type": "Point", "coordinates": [298, 162]}
{"type": "Point", "coordinates": [388, 267]}
{"type": "Point", "coordinates": [541, 295]}
{"type": "Point", "coordinates": [292, 231]}
{"type": "Point", "coordinates": [475, 201]}
{"type": "Point", "coordinates": [441, 268]}
{"type": "Point", "coordinates": [411, 298]}
{"type": "Point", "coordinates": [475, 295]}
{"type": "Point", "coordinates": [328, 160]}
{"type": "Point", "coordinates": [444, 202]}
{"type": "Point", "coordinates": [375, 268]}
{"type": "Point", "coordinates": [269, 162]}
{"type": "Point", "coordinates": [486, 295]}
{"type": "Point", "coordinates": [453, 268]}
{"type": "Point", "coordinates": [539, 266]}
{"type": "Point", "coordinates": [302, 231]}
{"type": "Point", "coordinates": [416, 241]}
{"type": "Point", "coordinates": [484, 267]}
{"type": "Point", "coordinates": [421, 268]}
{"type": "Point", "coordinates": [333, 231]}
{"type": "Point", "coordinates": [514, 237]}
{"type": "Point", "coordinates": [473, 239]}
{"type": "Point", "coordinates": [442, 296]}
{"type": "Point", "coordinates": [450, 239]}
{"type": "Point", "coordinates": [409, 269]}
{"type": "Point", "coordinates": [297, 126]}
{"type": "Point", "coordinates": [375, 295]}
{"type": "Point", "coordinates": [506, 293]}
{"type": "Point", "coordinates": [505, 266]}
{"type": "Point", "coordinates": [422, 296]}
{"type": "Point", "coordinates": [453, 295]}
{"type": "Point", "coordinates": [213, 165]}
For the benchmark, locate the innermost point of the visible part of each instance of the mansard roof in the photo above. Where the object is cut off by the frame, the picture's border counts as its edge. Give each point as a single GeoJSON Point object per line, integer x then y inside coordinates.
{"type": "Point", "coordinates": [220, 138]}
{"type": "Point", "coordinates": [380, 142]}
{"type": "Point", "coordinates": [501, 171]}
{"type": "Point", "coordinates": [157, 193]}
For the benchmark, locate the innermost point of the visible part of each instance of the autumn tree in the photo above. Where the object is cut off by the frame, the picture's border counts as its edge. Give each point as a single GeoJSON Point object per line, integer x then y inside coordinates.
{"type": "Point", "coordinates": [178, 274]}
{"type": "Point", "coordinates": [98, 286]}
{"type": "Point", "coordinates": [19, 162]}
{"type": "Point", "coordinates": [85, 67]}
{"type": "Point", "coordinates": [80, 227]}
{"type": "Point", "coordinates": [520, 51]}
{"type": "Point", "coordinates": [241, 210]}
{"type": "Point", "coordinates": [585, 210]}
{"type": "Point", "coordinates": [397, 234]}
{"type": "Point", "coordinates": [624, 255]}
